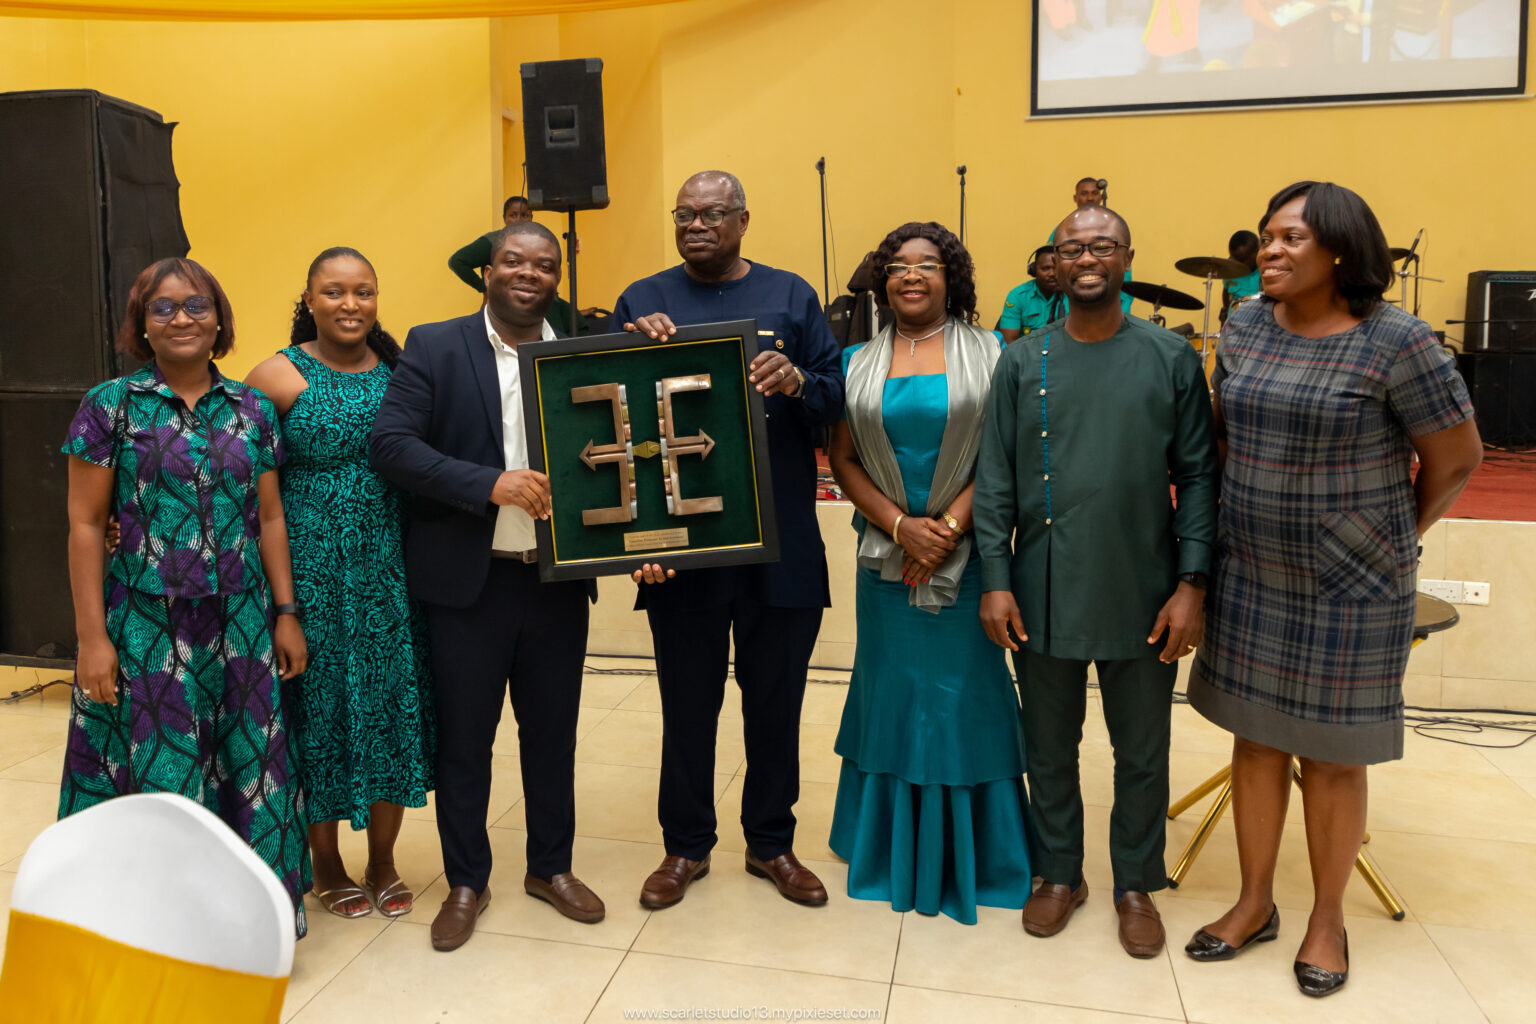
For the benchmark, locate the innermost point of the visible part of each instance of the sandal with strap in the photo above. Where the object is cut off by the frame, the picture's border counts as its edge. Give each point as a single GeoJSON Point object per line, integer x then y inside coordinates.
{"type": "Point", "coordinates": [395, 892]}
{"type": "Point", "coordinates": [331, 899]}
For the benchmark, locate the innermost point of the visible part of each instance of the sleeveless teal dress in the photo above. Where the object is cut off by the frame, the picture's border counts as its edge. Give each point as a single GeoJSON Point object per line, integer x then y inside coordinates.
{"type": "Point", "coordinates": [930, 811]}
{"type": "Point", "coordinates": [363, 712]}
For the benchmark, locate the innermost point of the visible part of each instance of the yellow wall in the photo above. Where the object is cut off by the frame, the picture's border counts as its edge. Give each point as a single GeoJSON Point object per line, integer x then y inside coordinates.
{"type": "Point", "coordinates": [896, 94]}
{"type": "Point", "coordinates": [378, 135]}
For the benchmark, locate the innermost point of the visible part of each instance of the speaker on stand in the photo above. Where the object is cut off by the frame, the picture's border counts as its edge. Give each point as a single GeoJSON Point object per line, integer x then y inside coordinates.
{"type": "Point", "coordinates": [91, 198]}
{"type": "Point", "coordinates": [563, 145]}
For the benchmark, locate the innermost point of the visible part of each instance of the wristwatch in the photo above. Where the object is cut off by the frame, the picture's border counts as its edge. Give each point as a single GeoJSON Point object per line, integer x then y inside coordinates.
{"type": "Point", "coordinates": [286, 608]}
{"type": "Point", "coordinates": [799, 391]}
{"type": "Point", "coordinates": [952, 522]}
{"type": "Point", "coordinates": [1195, 579]}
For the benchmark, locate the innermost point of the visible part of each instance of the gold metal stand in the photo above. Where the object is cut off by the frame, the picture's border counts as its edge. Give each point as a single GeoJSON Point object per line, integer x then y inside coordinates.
{"type": "Point", "coordinates": [1222, 782]}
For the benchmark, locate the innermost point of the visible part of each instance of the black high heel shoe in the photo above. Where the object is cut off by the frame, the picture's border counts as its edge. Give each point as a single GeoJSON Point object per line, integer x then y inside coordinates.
{"type": "Point", "coordinates": [1316, 982]}
{"type": "Point", "coordinates": [1207, 948]}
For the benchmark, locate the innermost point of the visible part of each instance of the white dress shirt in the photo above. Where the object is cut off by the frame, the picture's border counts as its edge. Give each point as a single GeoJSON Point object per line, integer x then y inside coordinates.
{"type": "Point", "coordinates": [514, 527]}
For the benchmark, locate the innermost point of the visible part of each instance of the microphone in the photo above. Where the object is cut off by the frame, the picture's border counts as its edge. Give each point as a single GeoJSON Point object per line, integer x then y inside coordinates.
{"type": "Point", "coordinates": [821, 165]}
{"type": "Point", "coordinates": [960, 169]}
{"type": "Point", "coordinates": [1103, 184]}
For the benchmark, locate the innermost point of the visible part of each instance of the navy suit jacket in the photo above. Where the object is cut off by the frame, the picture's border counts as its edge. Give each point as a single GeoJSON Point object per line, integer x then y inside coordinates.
{"type": "Point", "coordinates": [438, 435]}
{"type": "Point", "coordinates": [789, 320]}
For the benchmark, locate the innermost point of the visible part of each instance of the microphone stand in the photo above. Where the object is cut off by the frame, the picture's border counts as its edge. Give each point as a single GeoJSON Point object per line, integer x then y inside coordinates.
{"type": "Point", "coordinates": [961, 171]}
{"type": "Point", "coordinates": [826, 279]}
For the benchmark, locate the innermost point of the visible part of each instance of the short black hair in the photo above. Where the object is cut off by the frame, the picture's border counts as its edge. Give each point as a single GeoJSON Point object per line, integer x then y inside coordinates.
{"type": "Point", "coordinates": [1100, 209]}
{"type": "Point", "coordinates": [1344, 225]}
{"type": "Point", "coordinates": [523, 227]}
{"type": "Point", "coordinates": [1090, 180]}
{"type": "Point", "coordinates": [514, 199]}
{"type": "Point", "coordinates": [959, 270]}
{"type": "Point", "coordinates": [1242, 240]}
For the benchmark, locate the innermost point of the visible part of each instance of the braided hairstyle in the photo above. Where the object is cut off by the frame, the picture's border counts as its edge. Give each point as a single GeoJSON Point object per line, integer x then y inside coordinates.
{"type": "Point", "coordinates": [381, 341]}
{"type": "Point", "coordinates": [959, 271]}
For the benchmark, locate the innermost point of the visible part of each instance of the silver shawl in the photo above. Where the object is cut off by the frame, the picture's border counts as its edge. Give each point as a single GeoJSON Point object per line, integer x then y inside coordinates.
{"type": "Point", "coordinates": [970, 353]}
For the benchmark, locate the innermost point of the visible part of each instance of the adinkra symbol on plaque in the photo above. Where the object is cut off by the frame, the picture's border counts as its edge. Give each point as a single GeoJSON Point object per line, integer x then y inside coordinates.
{"type": "Point", "coordinates": [623, 451]}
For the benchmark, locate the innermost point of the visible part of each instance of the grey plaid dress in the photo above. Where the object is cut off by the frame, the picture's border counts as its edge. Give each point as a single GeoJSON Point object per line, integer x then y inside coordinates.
{"type": "Point", "coordinates": [1310, 614]}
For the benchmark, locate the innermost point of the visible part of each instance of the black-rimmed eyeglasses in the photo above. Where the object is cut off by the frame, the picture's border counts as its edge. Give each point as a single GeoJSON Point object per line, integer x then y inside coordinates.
{"type": "Point", "coordinates": [712, 217]}
{"type": "Point", "coordinates": [1103, 248]}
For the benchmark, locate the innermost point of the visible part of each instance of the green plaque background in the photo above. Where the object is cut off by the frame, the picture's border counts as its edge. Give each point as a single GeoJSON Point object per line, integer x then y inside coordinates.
{"type": "Point", "coordinates": [725, 412]}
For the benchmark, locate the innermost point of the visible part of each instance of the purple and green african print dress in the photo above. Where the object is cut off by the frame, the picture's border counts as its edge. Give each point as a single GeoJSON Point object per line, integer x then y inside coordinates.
{"type": "Point", "coordinates": [200, 706]}
{"type": "Point", "coordinates": [1310, 616]}
{"type": "Point", "coordinates": [362, 711]}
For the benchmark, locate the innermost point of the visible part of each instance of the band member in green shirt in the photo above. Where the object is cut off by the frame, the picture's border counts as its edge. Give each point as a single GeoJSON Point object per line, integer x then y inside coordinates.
{"type": "Point", "coordinates": [1034, 303]}
{"type": "Point", "coordinates": [1086, 559]}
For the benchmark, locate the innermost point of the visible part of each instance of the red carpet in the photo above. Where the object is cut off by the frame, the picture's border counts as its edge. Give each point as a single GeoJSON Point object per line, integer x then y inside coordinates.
{"type": "Point", "coordinates": [1504, 487]}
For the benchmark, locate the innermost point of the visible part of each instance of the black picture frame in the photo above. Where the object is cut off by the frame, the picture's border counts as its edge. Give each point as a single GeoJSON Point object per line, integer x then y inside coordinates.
{"type": "Point", "coordinates": [566, 548]}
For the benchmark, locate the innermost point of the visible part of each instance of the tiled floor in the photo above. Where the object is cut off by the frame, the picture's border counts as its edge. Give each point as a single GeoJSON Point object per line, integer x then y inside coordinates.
{"type": "Point", "coordinates": [1453, 829]}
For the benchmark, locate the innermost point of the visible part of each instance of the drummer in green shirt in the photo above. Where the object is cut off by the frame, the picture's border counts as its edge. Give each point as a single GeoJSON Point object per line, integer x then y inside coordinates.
{"type": "Point", "coordinates": [1034, 303]}
{"type": "Point", "coordinates": [1243, 246]}
{"type": "Point", "coordinates": [1085, 559]}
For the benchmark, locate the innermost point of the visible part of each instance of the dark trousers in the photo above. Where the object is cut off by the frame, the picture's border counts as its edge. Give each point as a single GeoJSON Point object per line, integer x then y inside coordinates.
{"type": "Point", "coordinates": [773, 653]}
{"type": "Point", "coordinates": [1137, 697]}
{"type": "Point", "coordinates": [535, 636]}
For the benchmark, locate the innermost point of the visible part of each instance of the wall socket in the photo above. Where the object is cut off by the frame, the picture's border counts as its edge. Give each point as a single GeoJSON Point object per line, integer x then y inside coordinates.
{"type": "Point", "coordinates": [1456, 591]}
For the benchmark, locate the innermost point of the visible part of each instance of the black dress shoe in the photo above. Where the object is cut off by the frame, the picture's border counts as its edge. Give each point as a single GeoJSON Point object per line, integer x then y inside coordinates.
{"type": "Point", "coordinates": [1316, 982]}
{"type": "Point", "coordinates": [1207, 948]}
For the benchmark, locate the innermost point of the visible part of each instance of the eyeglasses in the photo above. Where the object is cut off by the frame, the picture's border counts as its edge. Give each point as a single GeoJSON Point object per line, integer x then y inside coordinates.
{"type": "Point", "coordinates": [712, 217]}
{"type": "Point", "coordinates": [1100, 247]}
{"type": "Point", "coordinates": [163, 311]}
{"type": "Point", "coordinates": [903, 269]}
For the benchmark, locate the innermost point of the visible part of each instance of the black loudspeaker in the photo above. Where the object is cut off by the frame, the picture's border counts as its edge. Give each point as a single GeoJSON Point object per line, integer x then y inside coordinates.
{"type": "Point", "coordinates": [37, 619]}
{"type": "Point", "coordinates": [1503, 389]}
{"type": "Point", "coordinates": [90, 199]}
{"type": "Point", "coordinates": [563, 134]}
{"type": "Point", "coordinates": [1501, 311]}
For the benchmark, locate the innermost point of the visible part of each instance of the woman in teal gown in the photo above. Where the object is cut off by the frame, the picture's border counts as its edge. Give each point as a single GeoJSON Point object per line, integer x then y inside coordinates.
{"type": "Point", "coordinates": [930, 811]}
{"type": "Point", "coordinates": [363, 713]}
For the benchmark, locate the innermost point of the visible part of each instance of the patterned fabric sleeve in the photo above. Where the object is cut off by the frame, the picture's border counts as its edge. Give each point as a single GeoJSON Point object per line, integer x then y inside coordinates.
{"type": "Point", "coordinates": [92, 432]}
{"type": "Point", "coordinates": [1425, 391]}
{"type": "Point", "coordinates": [268, 452]}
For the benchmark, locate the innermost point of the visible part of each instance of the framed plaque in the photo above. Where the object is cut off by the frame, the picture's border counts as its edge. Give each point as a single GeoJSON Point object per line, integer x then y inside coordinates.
{"type": "Point", "coordinates": [656, 451]}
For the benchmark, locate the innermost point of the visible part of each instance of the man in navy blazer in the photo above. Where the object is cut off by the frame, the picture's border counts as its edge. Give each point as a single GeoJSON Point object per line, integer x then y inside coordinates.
{"type": "Point", "coordinates": [774, 610]}
{"type": "Point", "coordinates": [450, 431]}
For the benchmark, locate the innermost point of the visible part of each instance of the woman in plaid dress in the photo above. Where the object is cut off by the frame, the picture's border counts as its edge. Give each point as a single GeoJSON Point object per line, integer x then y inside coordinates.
{"type": "Point", "coordinates": [1324, 393]}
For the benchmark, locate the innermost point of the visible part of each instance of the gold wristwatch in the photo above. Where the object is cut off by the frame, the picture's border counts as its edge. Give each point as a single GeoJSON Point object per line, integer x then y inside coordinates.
{"type": "Point", "coordinates": [954, 524]}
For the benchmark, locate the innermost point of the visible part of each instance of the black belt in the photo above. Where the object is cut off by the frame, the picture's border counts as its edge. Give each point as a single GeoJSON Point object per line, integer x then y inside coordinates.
{"type": "Point", "coordinates": [526, 557]}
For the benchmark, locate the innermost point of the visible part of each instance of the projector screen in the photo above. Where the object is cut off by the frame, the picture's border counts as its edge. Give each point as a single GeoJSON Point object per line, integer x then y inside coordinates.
{"type": "Point", "coordinates": [1132, 56]}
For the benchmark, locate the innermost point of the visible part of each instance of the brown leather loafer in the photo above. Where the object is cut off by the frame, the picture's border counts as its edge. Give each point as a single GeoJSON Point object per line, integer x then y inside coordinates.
{"type": "Point", "coordinates": [794, 880]}
{"type": "Point", "coordinates": [455, 920]}
{"type": "Point", "coordinates": [667, 883]}
{"type": "Point", "coordinates": [1141, 926]}
{"type": "Point", "coordinates": [567, 894]}
{"type": "Point", "coordinates": [1050, 907]}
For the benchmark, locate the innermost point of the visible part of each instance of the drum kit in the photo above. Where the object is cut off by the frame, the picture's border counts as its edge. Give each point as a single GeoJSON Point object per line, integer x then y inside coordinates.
{"type": "Point", "coordinates": [1216, 268]}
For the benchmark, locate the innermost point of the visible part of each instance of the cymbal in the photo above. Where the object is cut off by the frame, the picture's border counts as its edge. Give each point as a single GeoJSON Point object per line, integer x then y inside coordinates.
{"type": "Point", "coordinates": [1214, 266]}
{"type": "Point", "coordinates": [1161, 295]}
{"type": "Point", "coordinates": [1397, 252]}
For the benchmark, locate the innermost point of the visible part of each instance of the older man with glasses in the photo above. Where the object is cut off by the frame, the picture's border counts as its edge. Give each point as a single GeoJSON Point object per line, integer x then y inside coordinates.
{"type": "Point", "coordinates": [773, 610]}
{"type": "Point", "coordinates": [1086, 560]}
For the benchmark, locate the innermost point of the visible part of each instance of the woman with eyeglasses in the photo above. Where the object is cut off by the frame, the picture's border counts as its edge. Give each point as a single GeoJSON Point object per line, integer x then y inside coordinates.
{"type": "Point", "coordinates": [930, 805]}
{"type": "Point", "coordinates": [1324, 395]}
{"type": "Point", "coordinates": [188, 634]}
{"type": "Point", "coordinates": [363, 717]}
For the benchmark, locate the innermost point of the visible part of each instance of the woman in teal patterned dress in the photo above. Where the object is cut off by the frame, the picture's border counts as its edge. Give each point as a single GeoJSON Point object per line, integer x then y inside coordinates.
{"type": "Point", "coordinates": [183, 666]}
{"type": "Point", "coordinates": [930, 805]}
{"type": "Point", "coordinates": [362, 718]}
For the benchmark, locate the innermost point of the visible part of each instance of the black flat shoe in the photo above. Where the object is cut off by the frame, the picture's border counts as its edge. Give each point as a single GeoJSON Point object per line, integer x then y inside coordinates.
{"type": "Point", "coordinates": [1207, 948]}
{"type": "Point", "coordinates": [1316, 982]}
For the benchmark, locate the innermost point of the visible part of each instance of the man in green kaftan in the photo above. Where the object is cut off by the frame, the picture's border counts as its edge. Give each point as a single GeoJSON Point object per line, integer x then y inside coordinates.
{"type": "Point", "coordinates": [1086, 559]}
